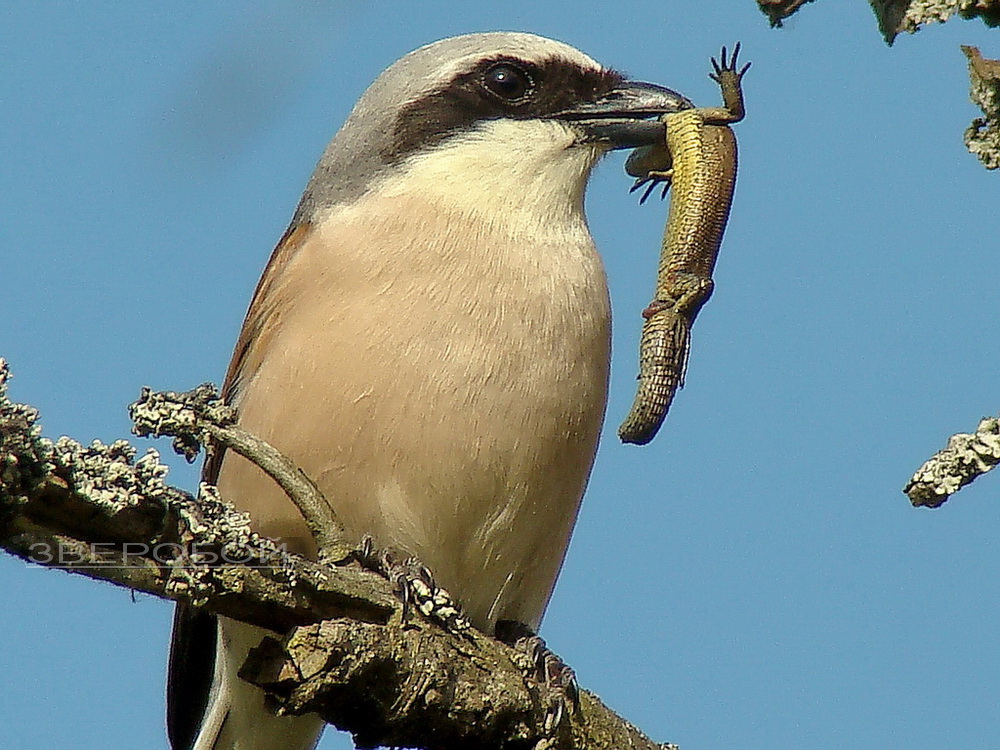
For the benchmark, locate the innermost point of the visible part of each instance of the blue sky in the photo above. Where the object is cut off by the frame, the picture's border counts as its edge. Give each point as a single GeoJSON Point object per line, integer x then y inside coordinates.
{"type": "Point", "coordinates": [753, 578]}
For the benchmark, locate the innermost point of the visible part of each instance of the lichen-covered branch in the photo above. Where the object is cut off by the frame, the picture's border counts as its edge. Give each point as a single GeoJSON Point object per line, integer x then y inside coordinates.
{"type": "Point", "coordinates": [900, 16]}
{"type": "Point", "coordinates": [907, 16]}
{"type": "Point", "coordinates": [198, 417]}
{"type": "Point", "coordinates": [966, 457]}
{"type": "Point", "coordinates": [982, 137]}
{"type": "Point", "coordinates": [341, 648]}
{"type": "Point", "coordinates": [98, 511]}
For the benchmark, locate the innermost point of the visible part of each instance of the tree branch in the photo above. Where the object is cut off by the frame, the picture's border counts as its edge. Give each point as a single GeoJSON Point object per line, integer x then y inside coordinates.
{"type": "Point", "coordinates": [947, 471]}
{"type": "Point", "coordinates": [982, 137]}
{"type": "Point", "coordinates": [900, 16]}
{"type": "Point", "coordinates": [344, 653]}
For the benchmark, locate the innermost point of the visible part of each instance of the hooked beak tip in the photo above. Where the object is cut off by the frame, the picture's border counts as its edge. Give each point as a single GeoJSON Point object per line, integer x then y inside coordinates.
{"type": "Point", "coordinates": [624, 117]}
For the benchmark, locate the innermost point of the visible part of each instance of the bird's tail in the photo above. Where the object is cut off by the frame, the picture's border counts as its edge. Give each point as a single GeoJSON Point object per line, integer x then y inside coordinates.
{"type": "Point", "coordinates": [237, 717]}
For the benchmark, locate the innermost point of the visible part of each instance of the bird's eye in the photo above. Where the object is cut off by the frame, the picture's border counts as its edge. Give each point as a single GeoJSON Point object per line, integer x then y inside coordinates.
{"type": "Point", "coordinates": [507, 82]}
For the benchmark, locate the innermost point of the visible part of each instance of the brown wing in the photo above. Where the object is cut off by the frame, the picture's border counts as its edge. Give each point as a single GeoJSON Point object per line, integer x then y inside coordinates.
{"type": "Point", "coordinates": [256, 314]}
{"type": "Point", "coordinates": [191, 663]}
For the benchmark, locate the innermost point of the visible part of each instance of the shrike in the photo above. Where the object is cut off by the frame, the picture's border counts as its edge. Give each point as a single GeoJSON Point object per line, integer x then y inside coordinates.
{"type": "Point", "coordinates": [430, 343]}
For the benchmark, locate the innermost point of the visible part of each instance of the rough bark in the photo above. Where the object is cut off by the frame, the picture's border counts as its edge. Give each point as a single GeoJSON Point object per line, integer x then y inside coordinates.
{"type": "Point", "coordinates": [982, 137]}
{"type": "Point", "coordinates": [966, 457]}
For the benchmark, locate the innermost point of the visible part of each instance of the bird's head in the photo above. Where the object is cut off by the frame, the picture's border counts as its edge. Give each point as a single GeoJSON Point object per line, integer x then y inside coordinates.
{"type": "Point", "coordinates": [494, 116]}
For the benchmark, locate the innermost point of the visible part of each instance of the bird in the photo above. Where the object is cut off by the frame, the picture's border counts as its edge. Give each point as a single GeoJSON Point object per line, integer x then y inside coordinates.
{"type": "Point", "coordinates": [430, 343]}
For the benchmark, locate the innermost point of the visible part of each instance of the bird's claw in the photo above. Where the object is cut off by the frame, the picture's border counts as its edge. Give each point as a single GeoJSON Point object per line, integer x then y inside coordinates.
{"type": "Point", "coordinates": [555, 680]}
{"type": "Point", "coordinates": [415, 584]}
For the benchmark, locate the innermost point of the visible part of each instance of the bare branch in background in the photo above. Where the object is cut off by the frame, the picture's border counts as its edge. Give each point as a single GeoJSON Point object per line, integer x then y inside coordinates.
{"type": "Point", "coordinates": [908, 16]}
{"type": "Point", "coordinates": [982, 137]}
{"type": "Point", "coordinates": [946, 472]}
{"type": "Point", "coordinates": [900, 16]}
{"type": "Point", "coordinates": [778, 10]}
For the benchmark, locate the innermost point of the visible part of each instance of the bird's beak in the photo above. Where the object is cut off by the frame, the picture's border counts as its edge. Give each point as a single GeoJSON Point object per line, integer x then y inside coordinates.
{"type": "Point", "coordinates": [623, 118]}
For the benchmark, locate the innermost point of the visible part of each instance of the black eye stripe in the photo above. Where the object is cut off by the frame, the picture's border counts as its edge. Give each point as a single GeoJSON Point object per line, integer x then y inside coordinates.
{"type": "Point", "coordinates": [552, 85]}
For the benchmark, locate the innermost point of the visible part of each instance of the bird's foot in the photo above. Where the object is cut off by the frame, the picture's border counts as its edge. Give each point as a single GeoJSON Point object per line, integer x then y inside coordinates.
{"type": "Point", "coordinates": [555, 680]}
{"type": "Point", "coordinates": [415, 584]}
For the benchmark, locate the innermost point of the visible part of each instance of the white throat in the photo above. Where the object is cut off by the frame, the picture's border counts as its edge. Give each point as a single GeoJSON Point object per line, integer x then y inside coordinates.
{"type": "Point", "coordinates": [526, 177]}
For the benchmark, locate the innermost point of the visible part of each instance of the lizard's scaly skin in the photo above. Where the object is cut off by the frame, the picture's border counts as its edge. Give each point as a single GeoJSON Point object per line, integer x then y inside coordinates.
{"type": "Point", "coordinates": [700, 153]}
